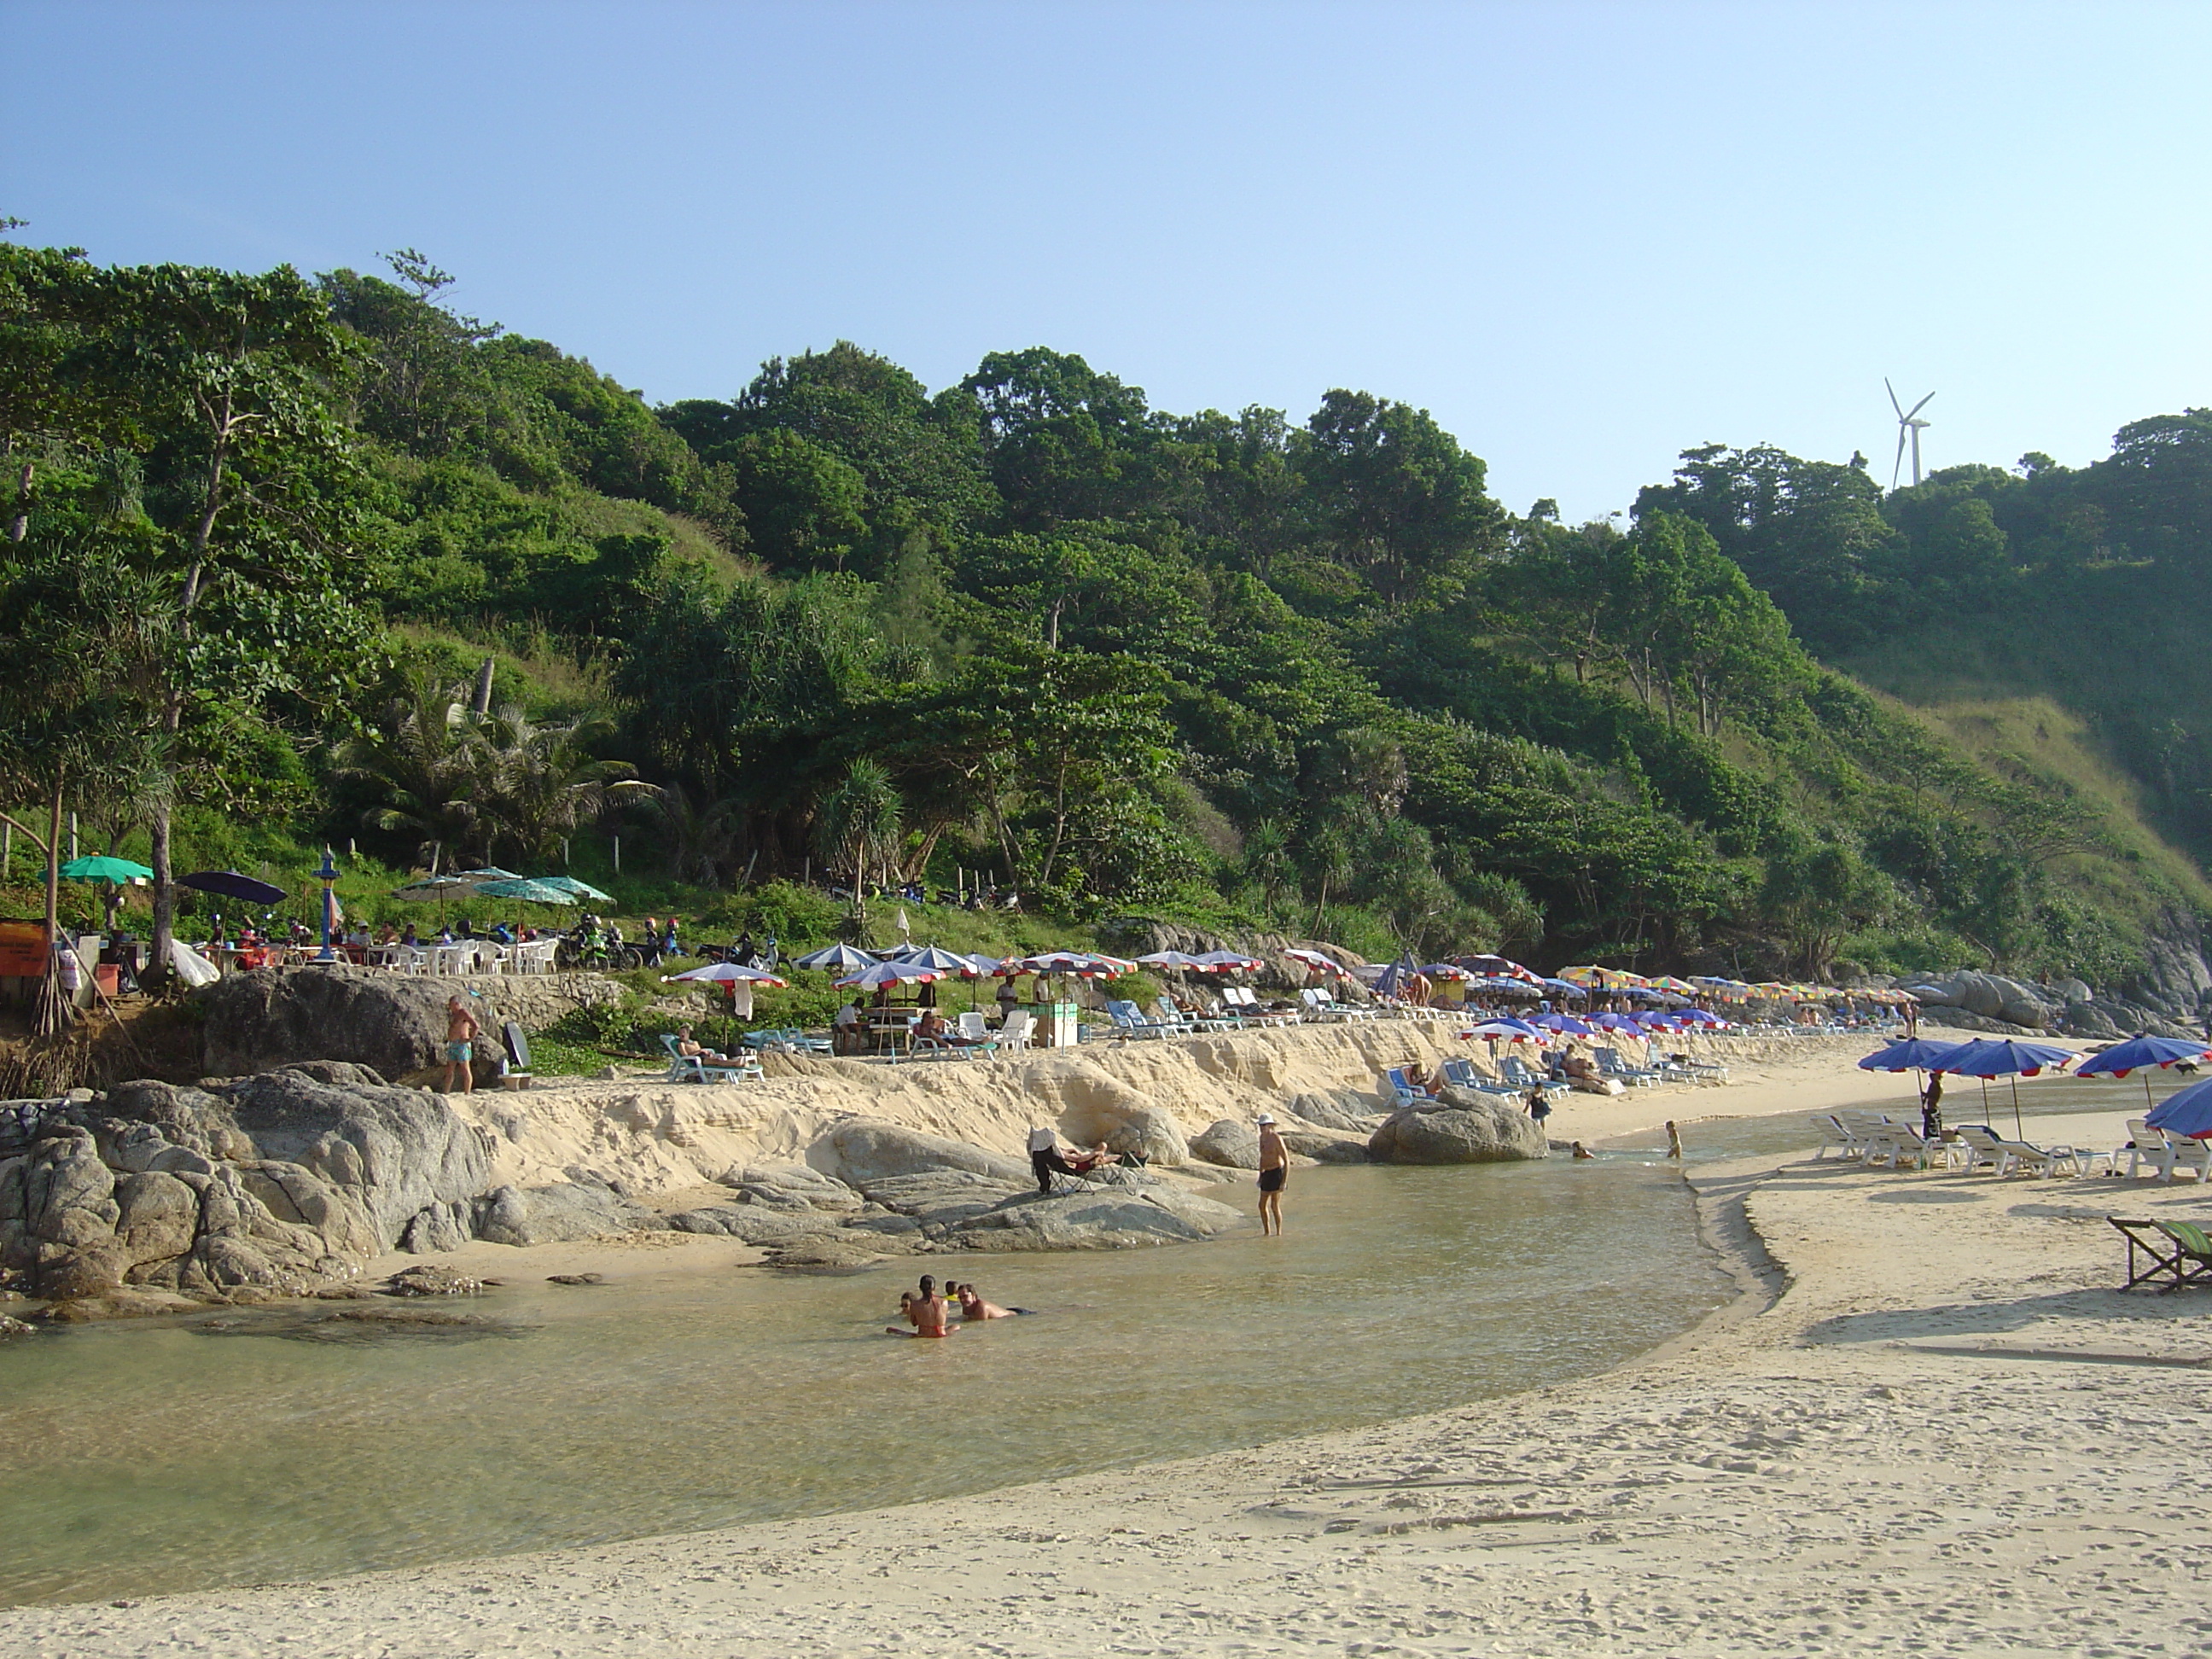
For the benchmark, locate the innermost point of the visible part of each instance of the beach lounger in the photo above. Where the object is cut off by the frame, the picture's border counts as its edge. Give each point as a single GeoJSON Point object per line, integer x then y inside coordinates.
{"type": "Point", "coordinates": [1462, 1074]}
{"type": "Point", "coordinates": [2179, 1253]}
{"type": "Point", "coordinates": [1524, 1077]}
{"type": "Point", "coordinates": [1835, 1138]}
{"type": "Point", "coordinates": [1988, 1145]}
{"type": "Point", "coordinates": [1610, 1064]}
{"type": "Point", "coordinates": [2188, 1153]}
{"type": "Point", "coordinates": [690, 1069]}
{"type": "Point", "coordinates": [1165, 1011]}
{"type": "Point", "coordinates": [1129, 1022]}
{"type": "Point", "coordinates": [2145, 1145]}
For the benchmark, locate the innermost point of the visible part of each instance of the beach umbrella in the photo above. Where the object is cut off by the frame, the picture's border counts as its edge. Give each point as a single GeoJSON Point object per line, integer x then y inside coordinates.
{"type": "Point", "coordinates": [1565, 988]}
{"type": "Point", "coordinates": [426, 889]}
{"type": "Point", "coordinates": [1704, 1017]}
{"type": "Point", "coordinates": [928, 955]}
{"type": "Point", "coordinates": [98, 866]}
{"type": "Point", "coordinates": [1318, 962]}
{"type": "Point", "coordinates": [982, 967]}
{"type": "Point", "coordinates": [1913, 1054]}
{"type": "Point", "coordinates": [2005, 1058]}
{"type": "Point", "coordinates": [1228, 962]}
{"type": "Point", "coordinates": [2186, 1112]}
{"type": "Point", "coordinates": [840, 958]}
{"type": "Point", "coordinates": [582, 889]}
{"type": "Point", "coordinates": [1175, 959]}
{"type": "Point", "coordinates": [1564, 1025]}
{"type": "Point", "coordinates": [2140, 1052]}
{"type": "Point", "coordinates": [1498, 985]}
{"type": "Point", "coordinates": [877, 975]}
{"type": "Point", "coordinates": [727, 973]}
{"type": "Point", "coordinates": [1615, 1022]}
{"type": "Point", "coordinates": [230, 884]}
{"type": "Point", "coordinates": [1498, 966]}
{"type": "Point", "coordinates": [525, 888]}
{"type": "Point", "coordinates": [1450, 971]}
{"type": "Point", "coordinates": [1509, 1030]}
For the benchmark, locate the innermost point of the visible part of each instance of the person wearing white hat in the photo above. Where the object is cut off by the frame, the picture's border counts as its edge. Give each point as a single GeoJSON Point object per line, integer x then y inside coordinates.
{"type": "Point", "coordinates": [1274, 1170]}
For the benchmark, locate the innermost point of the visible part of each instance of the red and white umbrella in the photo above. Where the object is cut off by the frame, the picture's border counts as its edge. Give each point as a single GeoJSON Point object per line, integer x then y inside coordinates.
{"type": "Point", "coordinates": [1316, 960]}
{"type": "Point", "coordinates": [727, 973]}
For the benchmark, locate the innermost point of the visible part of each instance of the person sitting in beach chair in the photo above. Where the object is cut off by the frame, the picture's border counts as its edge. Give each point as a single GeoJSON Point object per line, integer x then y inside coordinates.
{"type": "Point", "coordinates": [1097, 1159]}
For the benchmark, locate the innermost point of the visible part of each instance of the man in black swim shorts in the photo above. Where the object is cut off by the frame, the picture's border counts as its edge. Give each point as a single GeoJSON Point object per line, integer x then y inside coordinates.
{"type": "Point", "coordinates": [1274, 1170]}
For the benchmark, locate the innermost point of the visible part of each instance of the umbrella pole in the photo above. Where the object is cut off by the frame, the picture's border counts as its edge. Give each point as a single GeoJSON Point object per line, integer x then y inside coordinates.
{"type": "Point", "coordinates": [2018, 1130]}
{"type": "Point", "coordinates": [2146, 1085]}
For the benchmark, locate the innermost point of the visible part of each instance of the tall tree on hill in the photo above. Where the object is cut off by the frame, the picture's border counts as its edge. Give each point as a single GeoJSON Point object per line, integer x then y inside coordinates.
{"type": "Point", "coordinates": [1395, 497]}
{"type": "Point", "coordinates": [222, 382]}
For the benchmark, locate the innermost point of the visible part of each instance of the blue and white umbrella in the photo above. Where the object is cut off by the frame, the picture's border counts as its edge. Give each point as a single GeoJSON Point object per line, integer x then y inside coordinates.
{"type": "Point", "coordinates": [2008, 1058]}
{"type": "Point", "coordinates": [2141, 1052]}
{"type": "Point", "coordinates": [2186, 1112]}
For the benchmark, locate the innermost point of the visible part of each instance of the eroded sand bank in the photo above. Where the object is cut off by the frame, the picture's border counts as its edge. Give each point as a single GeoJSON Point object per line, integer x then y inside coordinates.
{"type": "Point", "coordinates": [1921, 1431]}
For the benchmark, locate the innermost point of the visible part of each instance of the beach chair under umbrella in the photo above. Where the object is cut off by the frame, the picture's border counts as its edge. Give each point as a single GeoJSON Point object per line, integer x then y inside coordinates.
{"type": "Point", "coordinates": [2004, 1058]}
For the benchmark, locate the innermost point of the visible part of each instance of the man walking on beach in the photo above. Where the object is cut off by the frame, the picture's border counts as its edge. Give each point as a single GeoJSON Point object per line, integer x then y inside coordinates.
{"type": "Point", "coordinates": [1274, 1170]}
{"type": "Point", "coordinates": [461, 1029]}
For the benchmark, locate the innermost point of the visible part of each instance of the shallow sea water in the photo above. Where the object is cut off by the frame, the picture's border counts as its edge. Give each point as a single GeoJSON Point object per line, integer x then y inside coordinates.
{"type": "Point", "coordinates": [137, 1458]}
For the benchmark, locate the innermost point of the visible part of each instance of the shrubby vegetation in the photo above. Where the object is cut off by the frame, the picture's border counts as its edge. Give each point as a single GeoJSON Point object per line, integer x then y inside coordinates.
{"type": "Point", "coordinates": [326, 558]}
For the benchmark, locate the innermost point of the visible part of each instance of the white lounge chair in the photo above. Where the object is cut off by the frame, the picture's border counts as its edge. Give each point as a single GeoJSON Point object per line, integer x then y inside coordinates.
{"type": "Point", "coordinates": [2145, 1145]}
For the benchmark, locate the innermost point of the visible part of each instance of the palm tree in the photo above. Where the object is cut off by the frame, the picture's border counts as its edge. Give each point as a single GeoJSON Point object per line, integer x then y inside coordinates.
{"type": "Point", "coordinates": [702, 837]}
{"type": "Point", "coordinates": [539, 782]}
{"type": "Point", "coordinates": [857, 823]}
{"type": "Point", "coordinates": [423, 760]}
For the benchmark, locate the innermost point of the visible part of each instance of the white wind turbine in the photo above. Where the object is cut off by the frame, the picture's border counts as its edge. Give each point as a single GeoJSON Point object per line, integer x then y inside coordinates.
{"type": "Point", "coordinates": [1909, 425]}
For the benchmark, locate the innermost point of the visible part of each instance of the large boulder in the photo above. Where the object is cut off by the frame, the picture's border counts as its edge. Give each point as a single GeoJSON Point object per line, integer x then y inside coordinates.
{"type": "Point", "coordinates": [1105, 1218]}
{"type": "Point", "coordinates": [1991, 996]}
{"type": "Point", "coordinates": [1109, 1111]}
{"type": "Point", "coordinates": [1462, 1127]}
{"type": "Point", "coordinates": [754, 1223]}
{"type": "Point", "coordinates": [1229, 1142]}
{"type": "Point", "coordinates": [557, 1214]}
{"type": "Point", "coordinates": [395, 1022]}
{"type": "Point", "coordinates": [1326, 1148]}
{"type": "Point", "coordinates": [865, 1149]}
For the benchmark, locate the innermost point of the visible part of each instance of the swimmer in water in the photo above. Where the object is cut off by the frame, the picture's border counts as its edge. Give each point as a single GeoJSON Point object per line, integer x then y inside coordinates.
{"type": "Point", "coordinates": [973, 1307]}
{"type": "Point", "coordinates": [925, 1312]}
{"type": "Point", "coordinates": [1582, 1151]}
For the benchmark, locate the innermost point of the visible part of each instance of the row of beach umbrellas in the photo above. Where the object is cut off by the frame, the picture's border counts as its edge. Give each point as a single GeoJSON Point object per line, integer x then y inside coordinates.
{"type": "Point", "coordinates": [2009, 1057]}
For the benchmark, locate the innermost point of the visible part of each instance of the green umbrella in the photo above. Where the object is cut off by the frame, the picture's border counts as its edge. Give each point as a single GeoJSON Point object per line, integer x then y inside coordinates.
{"type": "Point", "coordinates": [528, 890]}
{"type": "Point", "coordinates": [582, 889]}
{"type": "Point", "coordinates": [100, 867]}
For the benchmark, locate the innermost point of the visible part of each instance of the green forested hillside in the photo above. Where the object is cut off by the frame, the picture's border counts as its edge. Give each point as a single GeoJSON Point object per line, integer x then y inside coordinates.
{"type": "Point", "coordinates": [297, 559]}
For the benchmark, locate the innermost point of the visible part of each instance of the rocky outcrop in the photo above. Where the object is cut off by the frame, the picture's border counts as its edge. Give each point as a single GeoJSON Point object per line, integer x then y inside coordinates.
{"type": "Point", "coordinates": [1229, 1142]}
{"type": "Point", "coordinates": [1126, 1122]}
{"type": "Point", "coordinates": [278, 1182]}
{"type": "Point", "coordinates": [1992, 996]}
{"type": "Point", "coordinates": [1462, 1127]}
{"type": "Point", "coordinates": [394, 1023]}
{"type": "Point", "coordinates": [1111, 1217]}
{"type": "Point", "coordinates": [869, 1149]}
{"type": "Point", "coordinates": [559, 1214]}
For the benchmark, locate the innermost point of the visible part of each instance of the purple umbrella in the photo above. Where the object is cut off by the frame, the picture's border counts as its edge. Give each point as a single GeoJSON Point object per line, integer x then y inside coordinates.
{"type": "Point", "coordinates": [2186, 1112]}
{"type": "Point", "coordinates": [2004, 1058]}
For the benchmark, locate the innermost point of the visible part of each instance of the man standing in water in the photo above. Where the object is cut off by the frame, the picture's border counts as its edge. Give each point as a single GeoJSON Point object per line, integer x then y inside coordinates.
{"type": "Point", "coordinates": [461, 1029]}
{"type": "Point", "coordinates": [1274, 1170]}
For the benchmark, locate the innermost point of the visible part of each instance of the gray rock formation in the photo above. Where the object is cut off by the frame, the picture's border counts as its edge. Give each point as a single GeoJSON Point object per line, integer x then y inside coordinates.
{"type": "Point", "coordinates": [1992, 996]}
{"type": "Point", "coordinates": [1126, 1123]}
{"type": "Point", "coordinates": [1326, 1148]}
{"type": "Point", "coordinates": [1108, 1219]}
{"type": "Point", "coordinates": [867, 1149]}
{"type": "Point", "coordinates": [557, 1214]}
{"type": "Point", "coordinates": [1463, 1127]}
{"type": "Point", "coordinates": [391, 1022]}
{"type": "Point", "coordinates": [275, 1182]}
{"type": "Point", "coordinates": [792, 1186]}
{"type": "Point", "coordinates": [754, 1223]}
{"type": "Point", "coordinates": [1348, 1109]}
{"type": "Point", "coordinates": [1229, 1142]}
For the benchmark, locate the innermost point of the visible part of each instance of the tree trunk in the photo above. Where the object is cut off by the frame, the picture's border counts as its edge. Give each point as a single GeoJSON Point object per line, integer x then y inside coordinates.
{"type": "Point", "coordinates": [54, 1012]}
{"type": "Point", "coordinates": [19, 527]}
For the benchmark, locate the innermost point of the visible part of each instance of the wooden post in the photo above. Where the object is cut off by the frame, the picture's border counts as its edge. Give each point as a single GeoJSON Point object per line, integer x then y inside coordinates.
{"type": "Point", "coordinates": [72, 837]}
{"type": "Point", "coordinates": [7, 853]}
{"type": "Point", "coordinates": [618, 855]}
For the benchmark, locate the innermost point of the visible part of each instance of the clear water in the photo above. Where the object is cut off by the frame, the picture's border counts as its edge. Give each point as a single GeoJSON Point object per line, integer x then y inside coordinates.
{"type": "Point", "coordinates": [137, 1458]}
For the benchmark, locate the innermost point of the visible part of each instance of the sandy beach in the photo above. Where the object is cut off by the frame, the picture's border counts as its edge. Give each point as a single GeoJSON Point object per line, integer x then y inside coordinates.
{"type": "Point", "coordinates": [1930, 1425]}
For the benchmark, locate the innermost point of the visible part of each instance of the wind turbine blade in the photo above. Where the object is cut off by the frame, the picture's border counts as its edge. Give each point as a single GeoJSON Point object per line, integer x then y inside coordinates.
{"type": "Point", "coordinates": [1893, 403]}
{"type": "Point", "coordinates": [1917, 407]}
{"type": "Point", "coordinates": [1898, 464]}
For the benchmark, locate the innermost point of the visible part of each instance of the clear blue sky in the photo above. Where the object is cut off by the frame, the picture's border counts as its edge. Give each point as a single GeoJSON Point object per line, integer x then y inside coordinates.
{"type": "Point", "coordinates": [1585, 236]}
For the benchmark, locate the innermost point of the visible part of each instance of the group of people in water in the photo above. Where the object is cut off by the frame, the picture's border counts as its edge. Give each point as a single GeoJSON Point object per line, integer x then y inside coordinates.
{"type": "Point", "coordinates": [928, 1314]}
